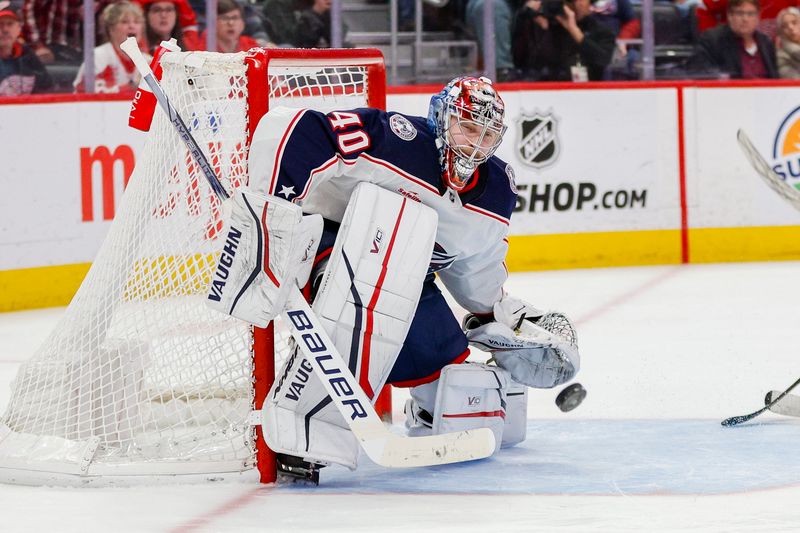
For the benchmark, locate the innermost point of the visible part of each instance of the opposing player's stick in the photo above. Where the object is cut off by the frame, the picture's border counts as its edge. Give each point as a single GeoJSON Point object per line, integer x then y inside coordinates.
{"type": "Point", "coordinates": [380, 445]}
{"type": "Point", "coordinates": [760, 165]}
{"type": "Point", "coordinates": [789, 405]}
{"type": "Point", "coordinates": [736, 420]}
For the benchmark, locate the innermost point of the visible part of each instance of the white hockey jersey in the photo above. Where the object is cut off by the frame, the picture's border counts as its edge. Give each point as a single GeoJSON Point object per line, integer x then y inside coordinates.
{"type": "Point", "coordinates": [114, 72]}
{"type": "Point", "coordinates": [316, 160]}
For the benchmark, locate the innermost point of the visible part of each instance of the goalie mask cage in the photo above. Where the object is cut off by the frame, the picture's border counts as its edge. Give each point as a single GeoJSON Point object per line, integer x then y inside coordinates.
{"type": "Point", "coordinates": [140, 382]}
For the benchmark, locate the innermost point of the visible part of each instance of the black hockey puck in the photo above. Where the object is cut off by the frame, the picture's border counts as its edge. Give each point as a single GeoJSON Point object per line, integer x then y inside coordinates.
{"type": "Point", "coordinates": [768, 398]}
{"type": "Point", "coordinates": [571, 397]}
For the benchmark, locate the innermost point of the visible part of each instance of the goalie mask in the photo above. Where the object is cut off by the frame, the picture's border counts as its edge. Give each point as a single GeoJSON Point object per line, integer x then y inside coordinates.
{"type": "Point", "coordinates": [467, 118]}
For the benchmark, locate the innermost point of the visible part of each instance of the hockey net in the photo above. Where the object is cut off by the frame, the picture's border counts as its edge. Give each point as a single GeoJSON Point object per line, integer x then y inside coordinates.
{"type": "Point", "coordinates": [140, 382]}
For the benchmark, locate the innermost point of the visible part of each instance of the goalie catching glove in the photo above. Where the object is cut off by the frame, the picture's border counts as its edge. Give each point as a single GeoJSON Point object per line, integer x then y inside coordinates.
{"type": "Point", "coordinates": [542, 349]}
{"type": "Point", "coordinates": [270, 246]}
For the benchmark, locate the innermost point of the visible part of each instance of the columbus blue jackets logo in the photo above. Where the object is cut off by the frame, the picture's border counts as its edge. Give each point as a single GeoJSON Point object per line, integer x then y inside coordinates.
{"type": "Point", "coordinates": [512, 181]}
{"type": "Point", "coordinates": [537, 139]}
{"type": "Point", "coordinates": [440, 259]}
{"type": "Point", "coordinates": [402, 127]}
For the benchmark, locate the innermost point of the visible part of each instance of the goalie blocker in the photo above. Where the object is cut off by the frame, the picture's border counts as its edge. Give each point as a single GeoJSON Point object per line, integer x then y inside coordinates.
{"type": "Point", "coordinates": [268, 250]}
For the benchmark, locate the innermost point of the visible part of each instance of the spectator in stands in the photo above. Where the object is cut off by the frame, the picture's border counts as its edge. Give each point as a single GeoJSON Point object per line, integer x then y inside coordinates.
{"type": "Point", "coordinates": [166, 19]}
{"type": "Point", "coordinates": [53, 28]}
{"type": "Point", "coordinates": [614, 14]}
{"type": "Point", "coordinates": [254, 25]}
{"type": "Point", "coordinates": [503, 23]}
{"type": "Point", "coordinates": [230, 28]}
{"type": "Point", "coordinates": [713, 13]}
{"type": "Point", "coordinates": [21, 71]}
{"type": "Point", "coordinates": [687, 9]}
{"type": "Point", "coordinates": [619, 17]}
{"type": "Point", "coordinates": [561, 42]}
{"type": "Point", "coordinates": [314, 26]}
{"type": "Point", "coordinates": [114, 71]}
{"type": "Point", "coordinates": [736, 49]}
{"type": "Point", "coordinates": [280, 21]}
{"type": "Point", "coordinates": [789, 43]}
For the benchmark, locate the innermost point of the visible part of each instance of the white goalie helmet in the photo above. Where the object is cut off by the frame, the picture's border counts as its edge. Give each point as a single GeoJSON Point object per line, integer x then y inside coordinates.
{"type": "Point", "coordinates": [467, 117]}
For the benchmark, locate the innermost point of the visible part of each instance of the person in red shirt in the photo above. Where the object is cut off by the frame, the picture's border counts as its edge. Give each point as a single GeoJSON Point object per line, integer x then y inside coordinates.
{"type": "Point", "coordinates": [114, 70]}
{"type": "Point", "coordinates": [166, 19]}
{"type": "Point", "coordinates": [230, 25]}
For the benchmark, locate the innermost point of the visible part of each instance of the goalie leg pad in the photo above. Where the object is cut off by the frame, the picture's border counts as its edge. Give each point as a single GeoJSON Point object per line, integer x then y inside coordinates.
{"type": "Point", "coordinates": [290, 427]}
{"type": "Point", "coordinates": [419, 420]}
{"type": "Point", "coordinates": [471, 396]}
{"type": "Point", "coordinates": [269, 246]}
{"type": "Point", "coordinates": [366, 302]}
{"type": "Point", "coordinates": [516, 423]}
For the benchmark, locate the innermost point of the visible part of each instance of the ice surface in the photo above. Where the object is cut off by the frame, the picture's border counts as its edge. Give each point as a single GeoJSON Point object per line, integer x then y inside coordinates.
{"type": "Point", "coordinates": [667, 353]}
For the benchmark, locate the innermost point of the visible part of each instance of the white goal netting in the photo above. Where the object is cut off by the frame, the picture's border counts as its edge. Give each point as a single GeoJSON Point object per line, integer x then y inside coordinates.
{"type": "Point", "coordinates": [140, 379]}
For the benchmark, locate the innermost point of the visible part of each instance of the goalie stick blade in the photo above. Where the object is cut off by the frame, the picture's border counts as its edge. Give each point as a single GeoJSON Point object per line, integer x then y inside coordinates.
{"type": "Point", "coordinates": [762, 168]}
{"type": "Point", "coordinates": [789, 405]}
{"type": "Point", "coordinates": [395, 451]}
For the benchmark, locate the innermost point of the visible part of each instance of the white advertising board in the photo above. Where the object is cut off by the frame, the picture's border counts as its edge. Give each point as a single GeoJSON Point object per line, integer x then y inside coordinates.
{"type": "Point", "coordinates": [61, 163]}
{"type": "Point", "coordinates": [588, 160]}
{"type": "Point", "coordinates": [723, 190]}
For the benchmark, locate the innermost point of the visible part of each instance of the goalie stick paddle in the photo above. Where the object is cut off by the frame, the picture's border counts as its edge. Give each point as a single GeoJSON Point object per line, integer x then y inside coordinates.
{"type": "Point", "coordinates": [736, 420]}
{"type": "Point", "coordinates": [762, 168]}
{"type": "Point", "coordinates": [381, 446]}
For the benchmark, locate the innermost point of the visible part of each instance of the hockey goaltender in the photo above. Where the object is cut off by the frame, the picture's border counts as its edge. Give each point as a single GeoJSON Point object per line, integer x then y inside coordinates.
{"type": "Point", "coordinates": [362, 209]}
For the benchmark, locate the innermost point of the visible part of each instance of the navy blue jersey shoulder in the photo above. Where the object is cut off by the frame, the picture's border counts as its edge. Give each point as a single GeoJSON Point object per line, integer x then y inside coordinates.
{"type": "Point", "coordinates": [318, 137]}
{"type": "Point", "coordinates": [403, 141]}
{"type": "Point", "coordinates": [499, 192]}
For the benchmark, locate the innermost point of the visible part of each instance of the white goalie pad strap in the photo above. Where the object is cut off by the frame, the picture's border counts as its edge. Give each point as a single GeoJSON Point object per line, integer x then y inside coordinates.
{"type": "Point", "coordinates": [471, 396]}
{"type": "Point", "coordinates": [541, 355]}
{"type": "Point", "coordinates": [366, 302]}
{"type": "Point", "coordinates": [516, 423]}
{"type": "Point", "coordinates": [269, 246]}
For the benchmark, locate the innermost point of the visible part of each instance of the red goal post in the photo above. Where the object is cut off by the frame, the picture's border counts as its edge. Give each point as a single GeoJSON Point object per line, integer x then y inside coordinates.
{"type": "Point", "coordinates": [140, 382]}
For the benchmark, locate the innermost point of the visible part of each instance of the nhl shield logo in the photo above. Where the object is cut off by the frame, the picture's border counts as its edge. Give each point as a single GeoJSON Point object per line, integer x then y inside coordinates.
{"type": "Point", "coordinates": [537, 144]}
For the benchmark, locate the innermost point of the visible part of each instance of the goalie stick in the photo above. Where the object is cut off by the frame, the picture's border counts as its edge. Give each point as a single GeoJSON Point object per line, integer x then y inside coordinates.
{"type": "Point", "coordinates": [760, 165]}
{"type": "Point", "coordinates": [381, 446]}
{"type": "Point", "coordinates": [736, 420]}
